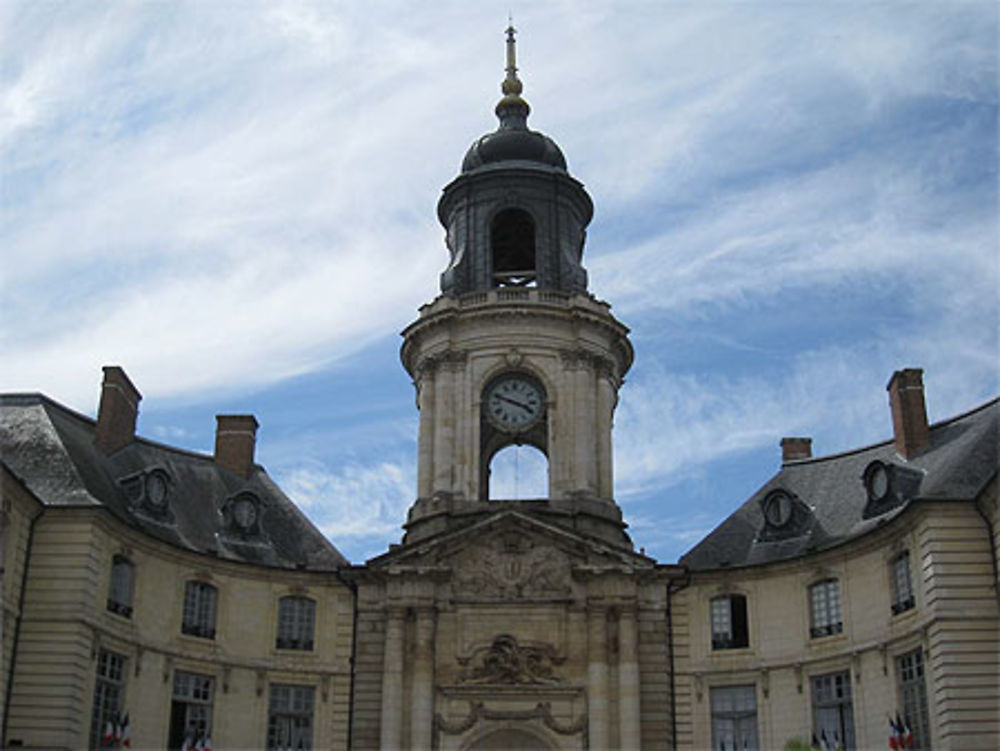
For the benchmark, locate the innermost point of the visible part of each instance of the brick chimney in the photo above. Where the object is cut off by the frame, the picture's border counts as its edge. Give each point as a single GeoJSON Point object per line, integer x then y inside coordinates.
{"type": "Point", "coordinates": [118, 411]}
{"type": "Point", "coordinates": [796, 448]}
{"type": "Point", "coordinates": [909, 412]}
{"type": "Point", "coordinates": [235, 440]}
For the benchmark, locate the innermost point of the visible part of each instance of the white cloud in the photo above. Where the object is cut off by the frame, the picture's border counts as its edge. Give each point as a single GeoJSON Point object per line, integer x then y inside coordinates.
{"type": "Point", "coordinates": [354, 499]}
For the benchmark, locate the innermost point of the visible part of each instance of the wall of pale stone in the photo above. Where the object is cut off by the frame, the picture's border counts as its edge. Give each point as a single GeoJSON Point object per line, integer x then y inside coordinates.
{"type": "Point", "coordinates": [66, 624]}
{"type": "Point", "coordinates": [955, 622]}
{"type": "Point", "coordinates": [18, 508]}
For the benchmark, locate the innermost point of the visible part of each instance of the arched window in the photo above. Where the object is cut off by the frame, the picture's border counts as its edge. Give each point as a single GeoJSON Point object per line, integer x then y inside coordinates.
{"type": "Point", "coordinates": [512, 241]}
{"type": "Point", "coordinates": [519, 472]}
{"type": "Point", "coordinates": [199, 610]}
{"type": "Point", "coordinates": [121, 587]}
{"type": "Point", "coordinates": [296, 623]}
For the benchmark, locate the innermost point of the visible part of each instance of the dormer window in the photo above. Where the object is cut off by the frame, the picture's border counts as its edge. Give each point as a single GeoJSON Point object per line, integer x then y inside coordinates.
{"type": "Point", "coordinates": [148, 492]}
{"type": "Point", "coordinates": [887, 486]}
{"type": "Point", "coordinates": [785, 516]}
{"type": "Point", "coordinates": [512, 242]}
{"type": "Point", "coordinates": [877, 482]}
{"type": "Point", "coordinates": [242, 514]}
{"type": "Point", "coordinates": [778, 509]}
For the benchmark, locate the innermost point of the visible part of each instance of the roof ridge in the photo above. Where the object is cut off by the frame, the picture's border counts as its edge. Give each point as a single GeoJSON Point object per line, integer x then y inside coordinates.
{"type": "Point", "coordinates": [868, 447]}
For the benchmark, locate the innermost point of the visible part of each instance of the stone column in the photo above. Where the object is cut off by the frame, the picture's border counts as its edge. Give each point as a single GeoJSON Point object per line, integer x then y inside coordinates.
{"type": "Point", "coordinates": [628, 682]}
{"type": "Point", "coordinates": [606, 397]}
{"type": "Point", "coordinates": [597, 677]}
{"type": "Point", "coordinates": [444, 427]}
{"type": "Point", "coordinates": [392, 680]}
{"type": "Point", "coordinates": [425, 441]}
{"type": "Point", "coordinates": [585, 454]}
{"type": "Point", "coordinates": [422, 694]}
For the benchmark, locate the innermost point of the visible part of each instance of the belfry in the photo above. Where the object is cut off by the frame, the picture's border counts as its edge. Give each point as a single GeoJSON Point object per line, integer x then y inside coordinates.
{"type": "Point", "coordinates": [514, 623]}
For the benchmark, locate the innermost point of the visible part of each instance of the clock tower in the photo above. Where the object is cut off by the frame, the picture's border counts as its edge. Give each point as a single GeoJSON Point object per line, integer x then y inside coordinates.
{"type": "Point", "coordinates": [513, 623]}
{"type": "Point", "coordinates": [515, 350]}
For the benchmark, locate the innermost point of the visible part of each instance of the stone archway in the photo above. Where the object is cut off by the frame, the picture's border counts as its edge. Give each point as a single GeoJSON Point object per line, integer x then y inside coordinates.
{"type": "Point", "coordinates": [509, 739]}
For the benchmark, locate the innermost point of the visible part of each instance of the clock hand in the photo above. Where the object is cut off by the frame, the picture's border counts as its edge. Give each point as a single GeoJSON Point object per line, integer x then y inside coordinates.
{"type": "Point", "coordinates": [516, 403]}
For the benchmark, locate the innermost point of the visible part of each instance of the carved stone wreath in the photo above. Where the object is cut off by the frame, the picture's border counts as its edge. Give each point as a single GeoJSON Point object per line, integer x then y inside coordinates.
{"type": "Point", "coordinates": [506, 662]}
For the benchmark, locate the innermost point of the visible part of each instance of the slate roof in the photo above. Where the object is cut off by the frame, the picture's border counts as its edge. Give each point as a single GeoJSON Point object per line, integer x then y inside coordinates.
{"type": "Point", "coordinates": [960, 461]}
{"type": "Point", "coordinates": [50, 448]}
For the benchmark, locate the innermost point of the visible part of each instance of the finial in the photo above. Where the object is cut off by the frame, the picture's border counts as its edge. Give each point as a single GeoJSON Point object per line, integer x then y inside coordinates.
{"type": "Point", "coordinates": [511, 84]}
{"type": "Point", "coordinates": [512, 109]}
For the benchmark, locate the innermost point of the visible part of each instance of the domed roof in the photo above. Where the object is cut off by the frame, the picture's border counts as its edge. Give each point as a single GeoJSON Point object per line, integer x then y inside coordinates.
{"type": "Point", "coordinates": [510, 144]}
{"type": "Point", "coordinates": [513, 140]}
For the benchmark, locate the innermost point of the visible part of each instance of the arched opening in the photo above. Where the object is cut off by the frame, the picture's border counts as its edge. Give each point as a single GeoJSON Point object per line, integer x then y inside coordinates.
{"type": "Point", "coordinates": [509, 739]}
{"type": "Point", "coordinates": [518, 472]}
{"type": "Point", "coordinates": [512, 241]}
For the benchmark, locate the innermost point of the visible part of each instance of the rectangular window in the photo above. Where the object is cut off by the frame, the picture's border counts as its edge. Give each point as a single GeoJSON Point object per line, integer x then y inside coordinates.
{"type": "Point", "coordinates": [824, 603]}
{"type": "Point", "coordinates": [290, 718]}
{"type": "Point", "coordinates": [199, 610]}
{"type": "Point", "coordinates": [902, 585]}
{"type": "Point", "coordinates": [833, 714]}
{"type": "Point", "coordinates": [913, 692]}
{"type": "Point", "coordinates": [120, 589]}
{"type": "Point", "coordinates": [734, 718]}
{"type": "Point", "coordinates": [108, 690]}
{"type": "Point", "coordinates": [296, 623]}
{"type": "Point", "coordinates": [191, 711]}
{"type": "Point", "coordinates": [729, 622]}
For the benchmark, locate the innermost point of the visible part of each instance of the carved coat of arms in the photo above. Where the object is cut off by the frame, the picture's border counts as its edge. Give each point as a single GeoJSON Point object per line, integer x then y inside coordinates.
{"type": "Point", "coordinates": [511, 567]}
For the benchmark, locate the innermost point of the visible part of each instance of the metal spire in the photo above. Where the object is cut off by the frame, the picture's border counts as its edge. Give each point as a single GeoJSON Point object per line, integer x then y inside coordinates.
{"type": "Point", "coordinates": [512, 109]}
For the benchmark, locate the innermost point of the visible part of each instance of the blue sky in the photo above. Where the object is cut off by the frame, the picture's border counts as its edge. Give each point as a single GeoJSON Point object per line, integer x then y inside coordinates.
{"type": "Point", "coordinates": [235, 202]}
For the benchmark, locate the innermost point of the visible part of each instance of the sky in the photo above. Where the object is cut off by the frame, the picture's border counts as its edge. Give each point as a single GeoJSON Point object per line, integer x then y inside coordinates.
{"type": "Point", "coordinates": [235, 201]}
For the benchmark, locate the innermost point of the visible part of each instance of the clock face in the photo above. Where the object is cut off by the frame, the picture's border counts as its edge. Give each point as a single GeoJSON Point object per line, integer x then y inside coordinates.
{"type": "Point", "coordinates": [514, 403]}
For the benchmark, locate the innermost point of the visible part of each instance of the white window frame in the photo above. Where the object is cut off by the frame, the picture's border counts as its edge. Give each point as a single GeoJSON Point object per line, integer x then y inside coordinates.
{"type": "Point", "coordinates": [296, 623]}
{"type": "Point", "coordinates": [825, 614]}
{"type": "Point", "coordinates": [109, 688]}
{"type": "Point", "coordinates": [903, 598]}
{"type": "Point", "coordinates": [733, 711]}
{"type": "Point", "coordinates": [121, 588]}
{"type": "Point", "coordinates": [290, 717]}
{"type": "Point", "coordinates": [200, 603]}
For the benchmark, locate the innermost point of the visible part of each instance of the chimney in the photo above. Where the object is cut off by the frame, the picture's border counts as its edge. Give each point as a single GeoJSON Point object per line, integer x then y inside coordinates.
{"type": "Point", "coordinates": [795, 448]}
{"type": "Point", "coordinates": [118, 411]}
{"type": "Point", "coordinates": [235, 440]}
{"type": "Point", "coordinates": [909, 412]}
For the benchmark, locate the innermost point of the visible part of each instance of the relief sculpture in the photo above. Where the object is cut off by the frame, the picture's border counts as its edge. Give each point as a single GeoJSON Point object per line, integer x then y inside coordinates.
{"type": "Point", "coordinates": [512, 567]}
{"type": "Point", "coordinates": [507, 662]}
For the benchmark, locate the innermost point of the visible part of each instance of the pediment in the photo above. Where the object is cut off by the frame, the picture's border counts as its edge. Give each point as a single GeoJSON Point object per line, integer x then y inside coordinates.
{"type": "Point", "coordinates": [510, 556]}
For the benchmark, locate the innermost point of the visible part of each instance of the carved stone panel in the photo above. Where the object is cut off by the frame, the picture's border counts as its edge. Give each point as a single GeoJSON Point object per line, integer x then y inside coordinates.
{"type": "Point", "coordinates": [506, 662]}
{"type": "Point", "coordinates": [511, 566]}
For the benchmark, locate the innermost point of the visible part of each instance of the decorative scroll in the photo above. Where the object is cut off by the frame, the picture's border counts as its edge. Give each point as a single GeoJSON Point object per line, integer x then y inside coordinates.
{"type": "Point", "coordinates": [541, 711]}
{"type": "Point", "coordinates": [512, 567]}
{"type": "Point", "coordinates": [509, 663]}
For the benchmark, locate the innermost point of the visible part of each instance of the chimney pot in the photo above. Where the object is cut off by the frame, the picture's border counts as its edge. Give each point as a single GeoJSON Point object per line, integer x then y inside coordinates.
{"type": "Point", "coordinates": [235, 441]}
{"type": "Point", "coordinates": [117, 412]}
{"type": "Point", "coordinates": [795, 448]}
{"type": "Point", "coordinates": [909, 411]}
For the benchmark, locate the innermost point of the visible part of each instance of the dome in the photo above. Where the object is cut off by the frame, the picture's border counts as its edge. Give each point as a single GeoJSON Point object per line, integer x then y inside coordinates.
{"type": "Point", "coordinates": [510, 144]}
{"type": "Point", "coordinates": [513, 140]}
